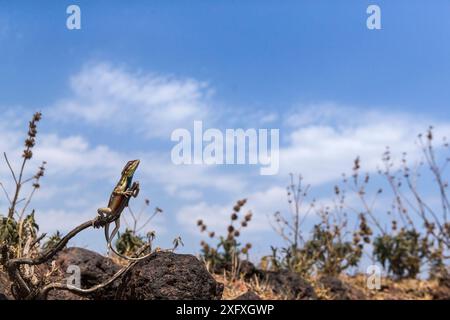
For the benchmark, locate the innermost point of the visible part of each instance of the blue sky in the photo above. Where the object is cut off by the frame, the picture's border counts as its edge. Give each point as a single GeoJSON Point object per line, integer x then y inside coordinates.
{"type": "Point", "coordinates": [112, 91]}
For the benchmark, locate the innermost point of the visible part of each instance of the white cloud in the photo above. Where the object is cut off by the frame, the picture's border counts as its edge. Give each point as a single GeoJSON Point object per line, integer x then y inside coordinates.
{"type": "Point", "coordinates": [62, 220]}
{"type": "Point", "coordinates": [117, 99]}
{"type": "Point", "coordinates": [320, 143]}
{"type": "Point", "coordinates": [263, 204]}
{"type": "Point", "coordinates": [321, 149]}
{"type": "Point", "coordinates": [74, 154]}
{"type": "Point", "coordinates": [176, 178]}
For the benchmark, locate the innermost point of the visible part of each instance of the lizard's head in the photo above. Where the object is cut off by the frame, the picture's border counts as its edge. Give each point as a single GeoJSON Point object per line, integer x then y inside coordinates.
{"type": "Point", "coordinates": [130, 168]}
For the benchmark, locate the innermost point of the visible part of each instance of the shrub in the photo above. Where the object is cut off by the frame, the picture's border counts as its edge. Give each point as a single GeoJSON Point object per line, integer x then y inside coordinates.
{"type": "Point", "coordinates": [225, 254]}
{"type": "Point", "coordinates": [327, 250]}
{"type": "Point", "coordinates": [131, 241]}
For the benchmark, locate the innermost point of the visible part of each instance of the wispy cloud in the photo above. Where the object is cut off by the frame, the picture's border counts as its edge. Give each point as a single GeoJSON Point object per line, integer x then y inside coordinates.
{"type": "Point", "coordinates": [261, 203]}
{"type": "Point", "coordinates": [323, 145]}
{"type": "Point", "coordinates": [320, 142]}
{"type": "Point", "coordinates": [150, 104]}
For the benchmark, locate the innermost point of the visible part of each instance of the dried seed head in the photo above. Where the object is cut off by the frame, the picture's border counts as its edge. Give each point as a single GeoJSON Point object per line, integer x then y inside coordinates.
{"type": "Point", "coordinates": [32, 131]}
{"type": "Point", "coordinates": [244, 224]}
{"type": "Point", "coordinates": [234, 216]}
{"type": "Point", "coordinates": [356, 238]}
{"type": "Point", "coordinates": [41, 171]}
{"type": "Point", "coordinates": [37, 117]}
{"type": "Point", "coordinates": [200, 222]}
{"type": "Point", "coordinates": [211, 234]}
{"type": "Point", "coordinates": [27, 154]}
{"type": "Point", "coordinates": [356, 164]}
{"type": "Point", "coordinates": [430, 134]}
{"type": "Point", "coordinates": [230, 229]}
{"type": "Point", "coordinates": [30, 142]}
{"type": "Point", "coordinates": [337, 191]}
{"type": "Point", "coordinates": [237, 233]}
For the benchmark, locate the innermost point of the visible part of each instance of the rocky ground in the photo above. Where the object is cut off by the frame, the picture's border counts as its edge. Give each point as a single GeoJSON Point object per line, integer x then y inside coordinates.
{"type": "Point", "coordinates": [166, 275]}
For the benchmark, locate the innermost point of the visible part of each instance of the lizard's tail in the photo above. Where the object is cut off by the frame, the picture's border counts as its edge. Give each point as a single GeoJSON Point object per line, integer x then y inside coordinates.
{"type": "Point", "coordinates": [110, 247]}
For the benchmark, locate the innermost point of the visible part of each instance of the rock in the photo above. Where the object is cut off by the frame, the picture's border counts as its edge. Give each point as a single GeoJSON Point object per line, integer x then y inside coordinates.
{"type": "Point", "coordinates": [94, 269]}
{"type": "Point", "coordinates": [247, 269]}
{"type": "Point", "coordinates": [444, 279]}
{"type": "Point", "coordinates": [442, 292]}
{"type": "Point", "coordinates": [249, 295]}
{"type": "Point", "coordinates": [169, 276]}
{"type": "Point", "coordinates": [340, 290]}
{"type": "Point", "coordinates": [290, 283]}
{"type": "Point", "coordinates": [163, 275]}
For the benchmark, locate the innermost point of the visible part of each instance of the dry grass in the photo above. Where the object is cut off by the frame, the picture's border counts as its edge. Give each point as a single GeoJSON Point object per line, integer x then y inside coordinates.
{"type": "Point", "coordinates": [233, 288]}
{"type": "Point", "coordinates": [407, 289]}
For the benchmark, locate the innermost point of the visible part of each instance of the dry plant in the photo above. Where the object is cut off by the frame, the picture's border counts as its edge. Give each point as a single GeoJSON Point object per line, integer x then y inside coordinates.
{"type": "Point", "coordinates": [288, 227]}
{"type": "Point", "coordinates": [417, 235]}
{"type": "Point", "coordinates": [226, 254]}
{"type": "Point", "coordinates": [20, 251]}
{"type": "Point", "coordinates": [130, 241]}
{"type": "Point", "coordinates": [327, 249]}
{"type": "Point", "coordinates": [420, 231]}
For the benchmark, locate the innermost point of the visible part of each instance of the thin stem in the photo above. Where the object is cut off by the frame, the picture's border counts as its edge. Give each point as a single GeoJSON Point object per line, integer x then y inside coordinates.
{"type": "Point", "coordinates": [6, 193]}
{"type": "Point", "coordinates": [10, 167]}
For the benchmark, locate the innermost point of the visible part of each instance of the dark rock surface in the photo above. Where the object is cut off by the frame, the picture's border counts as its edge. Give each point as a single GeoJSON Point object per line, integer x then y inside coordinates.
{"type": "Point", "coordinates": [245, 268]}
{"type": "Point", "coordinates": [249, 295]}
{"type": "Point", "coordinates": [170, 276]}
{"type": "Point", "coordinates": [443, 291]}
{"type": "Point", "coordinates": [290, 283]}
{"type": "Point", "coordinates": [94, 269]}
{"type": "Point", "coordinates": [340, 290]}
{"type": "Point", "coordinates": [163, 275]}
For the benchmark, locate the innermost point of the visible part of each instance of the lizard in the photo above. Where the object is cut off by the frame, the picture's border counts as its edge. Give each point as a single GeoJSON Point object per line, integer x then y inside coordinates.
{"type": "Point", "coordinates": [118, 201]}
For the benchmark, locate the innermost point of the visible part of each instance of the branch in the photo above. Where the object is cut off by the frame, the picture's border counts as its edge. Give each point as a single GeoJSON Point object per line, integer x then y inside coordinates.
{"type": "Point", "coordinates": [13, 265]}
{"type": "Point", "coordinates": [67, 287]}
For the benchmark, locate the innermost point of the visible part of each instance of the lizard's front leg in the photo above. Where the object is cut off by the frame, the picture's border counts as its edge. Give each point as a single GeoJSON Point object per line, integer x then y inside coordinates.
{"type": "Point", "coordinates": [133, 191]}
{"type": "Point", "coordinates": [102, 214]}
{"type": "Point", "coordinates": [135, 188]}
